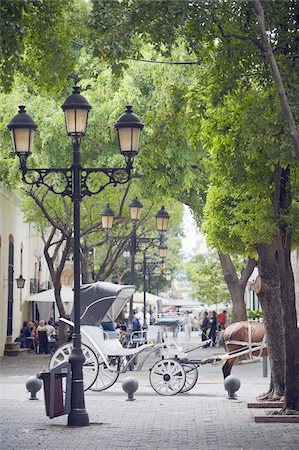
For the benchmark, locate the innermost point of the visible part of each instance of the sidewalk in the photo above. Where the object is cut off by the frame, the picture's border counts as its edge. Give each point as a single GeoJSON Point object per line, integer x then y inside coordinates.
{"type": "Point", "coordinates": [202, 419]}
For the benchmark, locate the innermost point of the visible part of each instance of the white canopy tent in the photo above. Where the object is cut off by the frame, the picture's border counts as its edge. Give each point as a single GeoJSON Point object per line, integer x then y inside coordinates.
{"type": "Point", "coordinates": [151, 299]}
{"type": "Point", "coordinates": [184, 304]}
{"type": "Point", "coordinates": [45, 299]}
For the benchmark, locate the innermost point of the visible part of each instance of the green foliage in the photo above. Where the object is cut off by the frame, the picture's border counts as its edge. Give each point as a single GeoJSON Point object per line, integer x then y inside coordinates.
{"type": "Point", "coordinates": [246, 138]}
{"type": "Point", "coordinates": [214, 126]}
{"type": "Point", "coordinates": [257, 314]}
{"type": "Point", "coordinates": [206, 277]}
{"type": "Point", "coordinates": [36, 40]}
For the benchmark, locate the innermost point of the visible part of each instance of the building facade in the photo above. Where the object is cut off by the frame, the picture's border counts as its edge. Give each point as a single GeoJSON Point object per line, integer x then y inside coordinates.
{"type": "Point", "coordinates": [251, 298]}
{"type": "Point", "coordinates": [21, 253]}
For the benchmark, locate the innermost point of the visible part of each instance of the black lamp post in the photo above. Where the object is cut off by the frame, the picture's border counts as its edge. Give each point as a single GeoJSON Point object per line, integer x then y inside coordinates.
{"type": "Point", "coordinates": [143, 243]}
{"type": "Point", "coordinates": [135, 207]}
{"type": "Point", "coordinates": [77, 184]}
{"type": "Point", "coordinates": [147, 267]}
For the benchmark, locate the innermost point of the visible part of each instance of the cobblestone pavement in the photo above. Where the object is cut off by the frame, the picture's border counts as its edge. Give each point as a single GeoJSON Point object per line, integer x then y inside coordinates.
{"type": "Point", "coordinates": [202, 419]}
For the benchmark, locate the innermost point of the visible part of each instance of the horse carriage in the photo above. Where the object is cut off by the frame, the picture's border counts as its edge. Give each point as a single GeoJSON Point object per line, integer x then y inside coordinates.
{"type": "Point", "coordinates": [105, 357]}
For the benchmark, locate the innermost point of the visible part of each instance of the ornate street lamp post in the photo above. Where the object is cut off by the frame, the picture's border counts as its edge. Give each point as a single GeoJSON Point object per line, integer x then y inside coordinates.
{"type": "Point", "coordinates": [77, 183]}
{"type": "Point", "coordinates": [135, 207]}
{"type": "Point", "coordinates": [143, 243]}
{"type": "Point", "coordinates": [148, 266]}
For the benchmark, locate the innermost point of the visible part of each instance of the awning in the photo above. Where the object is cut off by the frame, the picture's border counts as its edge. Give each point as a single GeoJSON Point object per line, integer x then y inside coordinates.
{"type": "Point", "coordinates": [151, 299]}
{"type": "Point", "coordinates": [184, 304]}
{"type": "Point", "coordinates": [67, 296]}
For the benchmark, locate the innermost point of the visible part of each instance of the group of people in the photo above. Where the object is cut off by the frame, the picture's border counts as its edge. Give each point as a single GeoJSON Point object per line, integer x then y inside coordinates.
{"type": "Point", "coordinates": [211, 324]}
{"type": "Point", "coordinates": [30, 337]}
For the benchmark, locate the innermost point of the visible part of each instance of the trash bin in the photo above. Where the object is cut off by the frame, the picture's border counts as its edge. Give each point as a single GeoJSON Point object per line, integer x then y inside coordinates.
{"type": "Point", "coordinates": [58, 393]}
{"type": "Point", "coordinates": [56, 402]}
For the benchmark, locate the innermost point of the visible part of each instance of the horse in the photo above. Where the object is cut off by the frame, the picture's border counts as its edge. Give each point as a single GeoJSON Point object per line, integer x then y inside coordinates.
{"type": "Point", "coordinates": [242, 338]}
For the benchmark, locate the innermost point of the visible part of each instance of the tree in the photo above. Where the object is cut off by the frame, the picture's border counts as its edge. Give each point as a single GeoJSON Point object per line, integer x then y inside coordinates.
{"type": "Point", "coordinates": [50, 209]}
{"type": "Point", "coordinates": [36, 41]}
{"type": "Point", "coordinates": [250, 202]}
{"type": "Point", "coordinates": [206, 276]}
{"type": "Point", "coordinates": [222, 37]}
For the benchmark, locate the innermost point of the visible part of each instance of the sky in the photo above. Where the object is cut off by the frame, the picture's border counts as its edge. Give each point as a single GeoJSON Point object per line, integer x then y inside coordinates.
{"type": "Point", "coordinates": [194, 241]}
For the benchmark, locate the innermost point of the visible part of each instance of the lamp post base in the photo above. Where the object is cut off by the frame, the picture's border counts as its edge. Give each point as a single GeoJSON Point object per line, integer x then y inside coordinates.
{"type": "Point", "coordinates": [78, 418]}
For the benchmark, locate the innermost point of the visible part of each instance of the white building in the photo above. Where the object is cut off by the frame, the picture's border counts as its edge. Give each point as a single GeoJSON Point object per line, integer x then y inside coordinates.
{"type": "Point", "coordinates": [21, 253]}
{"type": "Point", "coordinates": [251, 298]}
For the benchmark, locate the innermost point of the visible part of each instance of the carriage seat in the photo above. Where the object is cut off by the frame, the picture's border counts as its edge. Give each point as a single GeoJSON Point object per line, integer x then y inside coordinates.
{"type": "Point", "coordinates": [93, 336]}
{"type": "Point", "coordinates": [109, 330]}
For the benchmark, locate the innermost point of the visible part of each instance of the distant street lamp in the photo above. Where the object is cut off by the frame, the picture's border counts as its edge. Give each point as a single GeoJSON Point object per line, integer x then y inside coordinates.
{"type": "Point", "coordinates": [143, 243]}
{"type": "Point", "coordinates": [21, 281]}
{"type": "Point", "coordinates": [77, 183]}
{"type": "Point", "coordinates": [135, 207]}
{"type": "Point", "coordinates": [148, 266]}
{"type": "Point", "coordinates": [162, 219]}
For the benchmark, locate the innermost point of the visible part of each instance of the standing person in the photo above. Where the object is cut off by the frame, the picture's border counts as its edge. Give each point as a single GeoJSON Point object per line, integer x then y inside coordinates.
{"type": "Point", "coordinates": [188, 327]}
{"type": "Point", "coordinates": [205, 326]}
{"type": "Point", "coordinates": [136, 323]}
{"type": "Point", "coordinates": [213, 328]}
{"type": "Point", "coordinates": [222, 320]}
{"type": "Point", "coordinates": [195, 324]}
{"type": "Point", "coordinates": [42, 340]}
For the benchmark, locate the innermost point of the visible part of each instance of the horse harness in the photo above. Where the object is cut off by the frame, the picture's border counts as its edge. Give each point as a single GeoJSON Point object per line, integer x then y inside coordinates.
{"type": "Point", "coordinates": [251, 345]}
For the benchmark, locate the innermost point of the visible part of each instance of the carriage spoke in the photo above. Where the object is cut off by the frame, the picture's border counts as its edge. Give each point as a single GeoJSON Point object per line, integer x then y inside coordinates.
{"type": "Point", "coordinates": [191, 376]}
{"type": "Point", "coordinates": [90, 365]}
{"type": "Point", "coordinates": [167, 377]}
{"type": "Point", "coordinates": [105, 378]}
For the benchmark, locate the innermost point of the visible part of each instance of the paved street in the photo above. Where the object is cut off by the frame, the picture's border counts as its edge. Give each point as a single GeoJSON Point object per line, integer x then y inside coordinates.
{"type": "Point", "coordinates": [202, 419]}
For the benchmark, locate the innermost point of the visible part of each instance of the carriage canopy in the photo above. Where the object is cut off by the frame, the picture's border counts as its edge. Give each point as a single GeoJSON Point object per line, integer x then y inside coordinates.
{"type": "Point", "coordinates": [102, 302]}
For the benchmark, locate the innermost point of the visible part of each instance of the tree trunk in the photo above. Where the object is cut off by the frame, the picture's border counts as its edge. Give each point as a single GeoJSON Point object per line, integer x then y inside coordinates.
{"type": "Point", "coordinates": [281, 202]}
{"type": "Point", "coordinates": [285, 107]}
{"type": "Point", "coordinates": [62, 332]}
{"type": "Point", "coordinates": [269, 295]}
{"type": "Point", "coordinates": [290, 330]}
{"type": "Point", "coordinates": [86, 265]}
{"type": "Point", "coordinates": [236, 285]}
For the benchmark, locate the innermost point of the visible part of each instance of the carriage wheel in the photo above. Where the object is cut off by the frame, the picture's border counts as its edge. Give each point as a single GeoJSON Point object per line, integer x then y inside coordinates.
{"type": "Point", "coordinates": [90, 365]}
{"type": "Point", "coordinates": [105, 378]}
{"type": "Point", "coordinates": [167, 377]}
{"type": "Point", "coordinates": [191, 373]}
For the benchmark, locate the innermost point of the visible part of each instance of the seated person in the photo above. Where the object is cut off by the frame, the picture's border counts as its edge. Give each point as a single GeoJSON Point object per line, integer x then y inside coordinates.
{"type": "Point", "coordinates": [24, 334]}
{"type": "Point", "coordinates": [50, 330]}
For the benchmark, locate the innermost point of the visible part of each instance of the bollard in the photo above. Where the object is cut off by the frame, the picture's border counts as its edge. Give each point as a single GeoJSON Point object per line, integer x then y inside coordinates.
{"type": "Point", "coordinates": [232, 385]}
{"type": "Point", "coordinates": [33, 385]}
{"type": "Point", "coordinates": [130, 385]}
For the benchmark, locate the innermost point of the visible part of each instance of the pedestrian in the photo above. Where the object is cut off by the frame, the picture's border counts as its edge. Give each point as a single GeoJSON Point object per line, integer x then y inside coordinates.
{"type": "Point", "coordinates": [205, 327]}
{"type": "Point", "coordinates": [136, 323]}
{"type": "Point", "coordinates": [188, 326]}
{"type": "Point", "coordinates": [222, 320]}
{"type": "Point", "coordinates": [213, 328]}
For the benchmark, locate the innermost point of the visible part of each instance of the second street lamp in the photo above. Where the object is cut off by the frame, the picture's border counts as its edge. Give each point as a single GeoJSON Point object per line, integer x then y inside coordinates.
{"type": "Point", "coordinates": [107, 218]}
{"type": "Point", "coordinates": [143, 243]}
{"type": "Point", "coordinates": [77, 183]}
{"type": "Point", "coordinates": [135, 207]}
